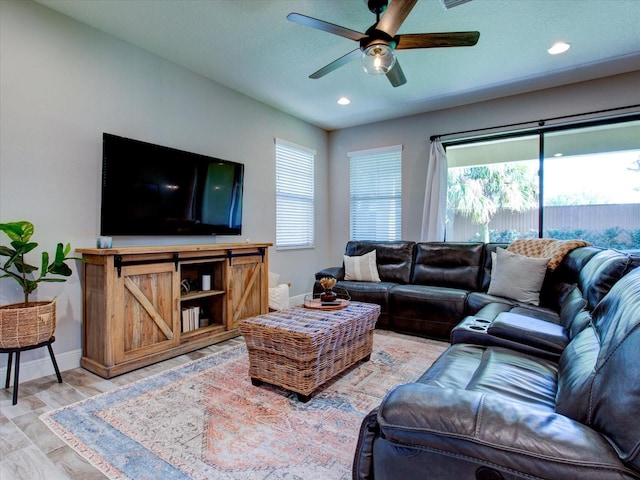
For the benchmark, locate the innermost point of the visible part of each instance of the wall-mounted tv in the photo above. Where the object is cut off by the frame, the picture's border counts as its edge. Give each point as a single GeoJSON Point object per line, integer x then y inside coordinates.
{"type": "Point", "coordinates": [154, 190]}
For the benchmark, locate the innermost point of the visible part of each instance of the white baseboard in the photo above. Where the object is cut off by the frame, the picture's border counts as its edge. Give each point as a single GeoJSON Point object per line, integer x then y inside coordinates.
{"type": "Point", "coordinates": [297, 300]}
{"type": "Point", "coordinates": [42, 367]}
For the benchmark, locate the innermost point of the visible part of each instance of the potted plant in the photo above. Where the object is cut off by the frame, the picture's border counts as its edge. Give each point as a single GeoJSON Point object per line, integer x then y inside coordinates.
{"type": "Point", "coordinates": [29, 323]}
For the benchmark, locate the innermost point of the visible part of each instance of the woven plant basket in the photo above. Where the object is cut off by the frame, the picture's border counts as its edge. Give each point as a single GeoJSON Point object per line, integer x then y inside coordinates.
{"type": "Point", "coordinates": [22, 326]}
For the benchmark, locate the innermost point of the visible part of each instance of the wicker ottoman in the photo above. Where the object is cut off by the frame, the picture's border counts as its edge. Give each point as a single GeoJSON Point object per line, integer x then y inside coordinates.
{"type": "Point", "coordinates": [300, 349]}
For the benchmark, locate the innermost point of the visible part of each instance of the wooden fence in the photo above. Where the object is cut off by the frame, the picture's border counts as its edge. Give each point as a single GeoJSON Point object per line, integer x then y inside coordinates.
{"type": "Point", "coordinates": [595, 220]}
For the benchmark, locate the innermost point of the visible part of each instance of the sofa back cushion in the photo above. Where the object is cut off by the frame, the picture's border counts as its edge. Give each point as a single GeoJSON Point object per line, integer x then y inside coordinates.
{"type": "Point", "coordinates": [448, 264]}
{"type": "Point", "coordinates": [614, 407]}
{"type": "Point", "coordinates": [572, 264]}
{"type": "Point", "coordinates": [600, 273]}
{"type": "Point", "coordinates": [599, 372]}
{"type": "Point", "coordinates": [575, 374]}
{"type": "Point", "coordinates": [394, 259]}
{"type": "Point", "coordinates": [573, 314]}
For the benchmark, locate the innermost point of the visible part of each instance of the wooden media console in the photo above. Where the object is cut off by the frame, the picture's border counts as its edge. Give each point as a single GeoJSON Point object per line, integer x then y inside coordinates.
{"type": "Point", "coordinates": [142, 305]}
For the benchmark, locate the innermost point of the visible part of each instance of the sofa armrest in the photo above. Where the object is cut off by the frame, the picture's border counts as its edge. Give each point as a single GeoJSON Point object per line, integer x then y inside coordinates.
{"type": "Point", "coordinates": [490, 429]}
{"type": "Point", "coordinates": [363, 460]}
{"type": "Point", "coordinates": [526, 330]}
{"type": "Point", "coordinates": [335, 272]}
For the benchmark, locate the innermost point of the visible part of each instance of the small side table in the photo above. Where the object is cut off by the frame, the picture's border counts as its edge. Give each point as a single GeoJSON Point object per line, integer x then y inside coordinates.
{"type": "Point", "coordinates": [16, 374]}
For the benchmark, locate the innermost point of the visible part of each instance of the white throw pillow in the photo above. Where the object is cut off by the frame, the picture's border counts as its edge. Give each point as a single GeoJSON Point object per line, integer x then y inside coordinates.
{"type": "Point", "coordinates": [279, 297]}
{"type": "Point", "coordinates": [362, 269]}
{"type": "Point", "coordinates": [516, 276]}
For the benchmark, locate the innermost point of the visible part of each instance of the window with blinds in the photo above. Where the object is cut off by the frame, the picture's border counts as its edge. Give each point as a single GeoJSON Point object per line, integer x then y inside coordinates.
{"type": "Point", "coordinates": [376, 194]}
{"type": "Point", "coordinates": [294, 195]}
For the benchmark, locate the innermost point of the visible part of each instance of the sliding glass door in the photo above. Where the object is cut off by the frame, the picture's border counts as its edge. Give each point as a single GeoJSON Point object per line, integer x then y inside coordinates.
{"type": "Point", "coordinates": [561, 182]}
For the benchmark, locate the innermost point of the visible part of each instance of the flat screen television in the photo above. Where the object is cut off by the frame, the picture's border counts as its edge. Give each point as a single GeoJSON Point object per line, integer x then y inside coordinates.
{"type": "Point", "coordinates": [154, 190]}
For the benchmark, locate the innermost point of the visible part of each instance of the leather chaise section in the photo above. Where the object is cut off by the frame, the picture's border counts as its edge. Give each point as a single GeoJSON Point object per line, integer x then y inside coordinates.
{"type": "Point", "coordinates": [516, 415]}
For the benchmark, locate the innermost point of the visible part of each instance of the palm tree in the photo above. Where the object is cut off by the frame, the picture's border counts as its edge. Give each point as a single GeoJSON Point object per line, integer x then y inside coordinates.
{"type": "Point", "coordinates": [480, 192]}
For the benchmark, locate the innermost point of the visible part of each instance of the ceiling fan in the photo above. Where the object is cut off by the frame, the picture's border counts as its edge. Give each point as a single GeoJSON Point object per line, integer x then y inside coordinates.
{"type": "Point", "coordinates": [379, 42]}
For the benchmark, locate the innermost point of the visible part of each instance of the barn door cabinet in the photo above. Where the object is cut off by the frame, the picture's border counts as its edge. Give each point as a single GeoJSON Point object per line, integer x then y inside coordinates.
{"type": "Point", "coordinates": [142, 305]}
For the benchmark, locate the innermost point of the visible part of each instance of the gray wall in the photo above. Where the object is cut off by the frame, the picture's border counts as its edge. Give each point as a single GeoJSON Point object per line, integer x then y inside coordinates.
{"type": "Point", "coordinates": [413, 133]}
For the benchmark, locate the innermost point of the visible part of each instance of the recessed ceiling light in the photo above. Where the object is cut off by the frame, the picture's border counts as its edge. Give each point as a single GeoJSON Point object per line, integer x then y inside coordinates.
{"type": "Point", "coordinates": [344, 101]}
{"type": "Point", "coordinates": [559, 47]}
{"type": "Point", "coordinates": [559, 154]}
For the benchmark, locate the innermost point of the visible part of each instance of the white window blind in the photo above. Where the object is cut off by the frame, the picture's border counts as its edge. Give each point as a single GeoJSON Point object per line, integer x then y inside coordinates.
{"type": "Point", "coordinates": [376, 194]}
{"type": "Point", "coordinates": [294, 195]}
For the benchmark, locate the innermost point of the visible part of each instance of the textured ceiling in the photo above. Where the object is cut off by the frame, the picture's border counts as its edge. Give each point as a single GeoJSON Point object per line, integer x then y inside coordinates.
{"type": "Point", "coordinates": [250, 46]}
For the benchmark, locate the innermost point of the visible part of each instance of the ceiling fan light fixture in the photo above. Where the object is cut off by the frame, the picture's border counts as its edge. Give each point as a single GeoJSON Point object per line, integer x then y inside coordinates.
{"type": "Point", "coordinates": [378, 59]}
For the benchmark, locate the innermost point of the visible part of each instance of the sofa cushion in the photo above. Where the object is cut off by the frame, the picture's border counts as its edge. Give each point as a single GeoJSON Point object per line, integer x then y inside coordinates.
{"type": "Point", "coordinates": [600, 273]}
{"type": "Point", "coordinates": [368, 292]}
{"type": "Point", "coordinates": [575, 374]}
{"type": "Point", "coordinates": [426, 310]}
{"type": "Point", "coordinates": [517, 277]}
{"type": "Point", "coordinates": [448, 264]}
{"type": "Point", "coordinates": [614, 403]}
{"type": "Point", "coordinates": [570, 313]}
{"type": "Point", "coordinates": [599, 371]}
{"type": "Point", "coordinates": [362, 268]}
{"type": "Point", "coordinates": [498, 371]}
{"type": "Point", "coordinates": [573, 262]}
{"type": "Point", "coordinates": [394, 259]}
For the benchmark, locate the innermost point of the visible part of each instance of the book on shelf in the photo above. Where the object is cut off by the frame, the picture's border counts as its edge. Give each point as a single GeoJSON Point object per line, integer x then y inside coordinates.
{"type": "Point", "coordinates": [190, 319]}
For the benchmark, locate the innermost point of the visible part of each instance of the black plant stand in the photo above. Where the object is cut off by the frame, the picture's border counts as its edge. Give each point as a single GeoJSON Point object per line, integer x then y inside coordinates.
{"type": "Point", "coordinates": [17, 351]}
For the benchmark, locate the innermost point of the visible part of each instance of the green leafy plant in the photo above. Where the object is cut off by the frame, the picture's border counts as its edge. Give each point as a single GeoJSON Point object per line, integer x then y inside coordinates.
{"type": "Point", "coordinates": [27, 275]}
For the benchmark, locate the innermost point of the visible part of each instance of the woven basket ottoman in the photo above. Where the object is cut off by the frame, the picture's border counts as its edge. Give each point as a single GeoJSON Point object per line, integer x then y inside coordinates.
{"type": "Point", "coordinates": [299, 348]}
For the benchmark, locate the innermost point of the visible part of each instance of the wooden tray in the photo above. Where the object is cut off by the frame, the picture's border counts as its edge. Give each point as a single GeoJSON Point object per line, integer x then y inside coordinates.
{"type": "Point", "coordinates": [316, 303]}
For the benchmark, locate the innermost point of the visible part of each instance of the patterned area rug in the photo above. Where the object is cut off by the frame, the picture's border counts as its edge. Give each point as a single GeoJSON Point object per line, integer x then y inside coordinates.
{"type": "Point", "coordinates": [205, 420]}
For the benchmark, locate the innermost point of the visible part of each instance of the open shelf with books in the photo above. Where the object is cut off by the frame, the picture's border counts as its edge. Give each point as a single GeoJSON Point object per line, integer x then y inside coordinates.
{"type": "Point", "coordinates": [202, 299]}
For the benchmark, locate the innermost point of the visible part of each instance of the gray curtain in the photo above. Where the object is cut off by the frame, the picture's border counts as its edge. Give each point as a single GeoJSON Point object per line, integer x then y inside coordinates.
{"type": "Point", "coordinates": [434, 215]}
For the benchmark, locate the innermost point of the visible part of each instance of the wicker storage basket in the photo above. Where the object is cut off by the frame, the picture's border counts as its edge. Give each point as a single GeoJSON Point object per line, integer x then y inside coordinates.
{"type": "Point", "coordinates": [22, 326]}
{"type": "Point", "coordinates": [299, 349]}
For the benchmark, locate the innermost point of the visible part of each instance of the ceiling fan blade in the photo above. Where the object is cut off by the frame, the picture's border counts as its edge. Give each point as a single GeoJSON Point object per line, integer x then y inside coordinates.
{"type": "Point", "coordinates": [396, 75]}
{"type": "Point", "coordinates": [352, 55]}
{"type": "Point", "coordinates": [436, 40]}
{"type": "Point", "coordinates": [394, 15]}
{"type": "Point", "coordinates": [325, 26]}
{"type": "Point", "coordinates": [447, 4]}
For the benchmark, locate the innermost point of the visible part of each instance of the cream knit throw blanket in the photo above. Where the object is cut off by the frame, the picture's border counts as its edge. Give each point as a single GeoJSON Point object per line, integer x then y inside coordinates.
{"type": "Point", "coordinates": [554, 250]}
